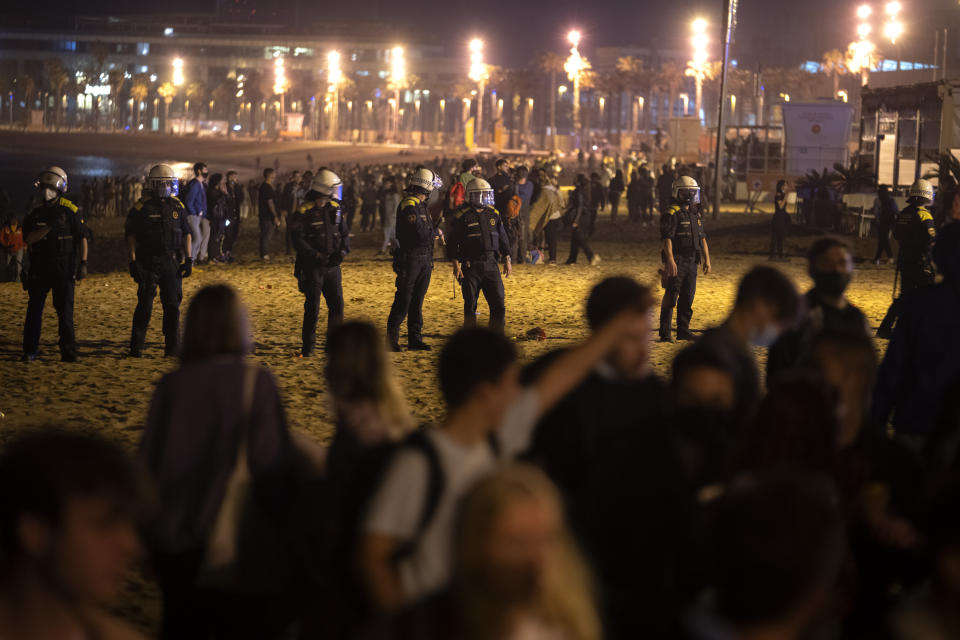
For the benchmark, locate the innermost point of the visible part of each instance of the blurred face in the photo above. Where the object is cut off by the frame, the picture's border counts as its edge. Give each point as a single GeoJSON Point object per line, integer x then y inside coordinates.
{"type": "Point", "coordinates": [630, 358]}
{"type": "Point", "coordinates": [706, 387]}
{"type": "Point", "coordinates": [521, 545]}
{"type": "Point", "coordinates": [496, 398]}
{"type": "Point", "coordinates": [89, 553]}
{"type": "Point", "coordinates": [837, 259]}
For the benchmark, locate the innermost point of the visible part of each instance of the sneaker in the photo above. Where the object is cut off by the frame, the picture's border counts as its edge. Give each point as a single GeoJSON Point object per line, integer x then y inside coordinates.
{"type": "Point", "coordinates": [595, 260]}
{"type": "Point", "coordinates": [419, 345]}
{"type": "Point", "coordinates": [265, 258]}
{"type": "Point", "coordinates": [668, 339]}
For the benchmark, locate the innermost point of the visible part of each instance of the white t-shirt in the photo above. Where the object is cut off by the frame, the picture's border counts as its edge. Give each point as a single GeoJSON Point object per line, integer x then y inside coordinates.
{"type": "Point", "coordinates": [398, 505]}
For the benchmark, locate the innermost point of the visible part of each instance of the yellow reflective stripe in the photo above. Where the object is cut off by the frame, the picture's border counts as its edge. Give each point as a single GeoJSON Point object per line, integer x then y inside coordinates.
{"type": "Point", "coordinates": [69, 205]}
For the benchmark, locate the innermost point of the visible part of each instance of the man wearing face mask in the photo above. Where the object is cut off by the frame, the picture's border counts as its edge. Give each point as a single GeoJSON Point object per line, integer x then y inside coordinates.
{"type": "Point", "coordinates": [53, 232]}
{"type": "Point", "coordinates": [766, 305]}
{"type": "Point", "coordinates": [830, 265]}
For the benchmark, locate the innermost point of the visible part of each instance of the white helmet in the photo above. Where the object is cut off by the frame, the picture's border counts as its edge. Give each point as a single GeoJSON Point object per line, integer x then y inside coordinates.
{"type": "Point", "coordinates": [921, 189]}
{"type": "Point", "coordinates": [686, 190]}
{"type": "Point", "coordinates": [54, 179]}
{"type": "Point", "coordinates": [425, 179]}
{"type": "Point", "coordinates": [162, 181]}
{"type": "Point", "coordinates": [480, 193]}
{"type": "Point", "coordinates": [328, 184]}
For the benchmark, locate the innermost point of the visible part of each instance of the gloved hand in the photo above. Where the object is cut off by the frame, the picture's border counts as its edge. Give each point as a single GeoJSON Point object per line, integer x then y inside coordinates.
{"type": "Point", "coordinates": [82, 270]}
{"type": "Point", "coordinates": [135, 272]}
{"type": "Point", "coordinates": [186, 269]}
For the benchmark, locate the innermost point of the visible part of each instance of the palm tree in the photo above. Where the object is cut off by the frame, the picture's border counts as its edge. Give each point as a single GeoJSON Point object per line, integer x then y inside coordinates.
{"type": "Point", "coordinates": [115, 79]}
{"type": "Point", "coordinates": [552, 63]}
{"type": "Point", "coordinates": [57, 77]}
{"type": "Point", "coordinates": [671, 78]}
{"type": "Point", "coordinates": [166, 91]}
{"type": "Point", "coordinates": [634, 78]}
{"type": "Point", "coordinates": [835, 63]}
{"type": "Point", "coordinates": [25, 86]}
{"type": "Point", "coordinates": [100, 55]}
{"type": "Point", "coordinates": [139, 89]}
{"type": "Point", "coordinates": [855, 178]}
{"type": "Point", "coordinates": [947, 172]}
{"type": "Point", "coordinates": [196, 93]}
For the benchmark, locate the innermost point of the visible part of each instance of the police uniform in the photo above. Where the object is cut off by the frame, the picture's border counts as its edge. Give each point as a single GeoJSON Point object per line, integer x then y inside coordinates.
{"type": "Point", "coordinates": [413, 264]}
{"type": "Point", "coordinates": [159, 226]}
{"type": "Point", "coordinates": [53, 266]}
{"type": "Point", "coordinates": [478, 241]}
{"type": "Point", "coordinates": [321, 238]}
{"type": "Point", "coordinates": [683, 226]}
{"type": "Point", "coordinates": [915, 232]}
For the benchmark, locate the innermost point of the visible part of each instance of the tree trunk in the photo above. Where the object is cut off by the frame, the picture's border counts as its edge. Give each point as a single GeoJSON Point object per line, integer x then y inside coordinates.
{"type": "Point", "coordinates": [553, 107]}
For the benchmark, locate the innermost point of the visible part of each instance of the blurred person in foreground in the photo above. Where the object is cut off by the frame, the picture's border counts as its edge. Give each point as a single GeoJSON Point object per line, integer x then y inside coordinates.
{"type": "Point", "coordinates": [490, 418]}
{"type": "Point", "coordinates": [777, 547]}
{"type": "Point", "coordinates": [201, 416]}
{"type": "Point", "coordinates": [517, 572]}
{"type": "Point", "coordinates": [827, 309]}
{"type": "Point", "coordinates": [765, 306]}
{"type": "Point", "coordinates": [69, 507]}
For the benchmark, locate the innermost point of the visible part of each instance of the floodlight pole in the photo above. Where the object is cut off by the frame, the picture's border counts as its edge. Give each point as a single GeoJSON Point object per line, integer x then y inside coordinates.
{"type": "Point", "coordinates": [729, 24]}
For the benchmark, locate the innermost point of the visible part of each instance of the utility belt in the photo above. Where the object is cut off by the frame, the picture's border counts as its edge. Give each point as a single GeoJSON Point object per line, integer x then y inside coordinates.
{"type": "Point", "coordinates": [489, 257]}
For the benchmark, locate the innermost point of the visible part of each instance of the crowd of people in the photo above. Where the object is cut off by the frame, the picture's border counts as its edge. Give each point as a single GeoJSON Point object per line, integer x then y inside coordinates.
{"type": "Point", "coordinates": [580, 496]}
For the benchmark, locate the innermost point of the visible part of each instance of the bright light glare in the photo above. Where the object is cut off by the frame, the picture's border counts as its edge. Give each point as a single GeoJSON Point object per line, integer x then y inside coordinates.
{"type": "Point", "coordinates": [863, 31]}
{"type": "Point", "coordinates": [864, 11]}
{"type": "Point", "coordinates": [893, 8]}
{"type": "Point", "coordinates": [699, 25]}
{"type": "Point", "coordinates": [178, 71]}
{"type": "Point", "coordinates": [893, 30]}
{"type": "Point", "coordinates": [574, 37]}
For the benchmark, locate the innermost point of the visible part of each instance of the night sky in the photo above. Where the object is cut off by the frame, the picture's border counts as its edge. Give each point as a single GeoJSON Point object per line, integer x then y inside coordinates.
{"type": "Point", "coordinates": [515, 30]}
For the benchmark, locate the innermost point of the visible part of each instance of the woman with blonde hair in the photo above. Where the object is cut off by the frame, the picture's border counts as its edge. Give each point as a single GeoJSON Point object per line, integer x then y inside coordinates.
{"type": "Point", "coordinates": [518, 573]}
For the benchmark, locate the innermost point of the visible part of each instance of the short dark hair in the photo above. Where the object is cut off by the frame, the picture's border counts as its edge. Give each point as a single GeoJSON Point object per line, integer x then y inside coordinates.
{"type": "Point", "coordinates": [214, 326]}
{"type": "Point", "coordinates": [613, 295]}
{"type": "Point", "coordinates": [776, 535]}
{"type": "Point", "coordinates": [468, 164]}
{"type": "Point", "coordinates": [268, 172]}
{"type": "Point", "coordinates": [472, 357]}
{"type": "Point", "coordinates": [823, 245]}
{"type": "Point", "coordinates": [198, 168]}
{"type": "Point", "coordinates": [501, 162]}
{"type": "Point", "coordinates": [769, 285]}
{"type": "Point", "coordinates": [42, 470]}
{"type": "Point", "coordinates": [701, 355]}
{"type": "Point", "coordinates": [231, 173]}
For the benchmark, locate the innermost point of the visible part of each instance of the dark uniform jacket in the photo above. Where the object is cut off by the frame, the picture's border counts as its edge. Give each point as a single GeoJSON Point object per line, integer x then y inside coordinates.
{"type": "Point", "coordinates": [56, 254]}
{"type": "Point", "coordinates": [415, 231]}
{"type": "Point", "coordinates": [915, 232]}
{"type": "Point", "coordinates": [685, 229]}
{"type": "Point", "coordinates": [159, 226]}
{"type": "Point", "coordinates": [320, 235]}
{"type": "Point", "coordinates": [478, 235]}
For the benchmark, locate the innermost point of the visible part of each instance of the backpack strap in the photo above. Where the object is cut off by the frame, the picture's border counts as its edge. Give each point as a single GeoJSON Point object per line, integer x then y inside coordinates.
{"type": "Point", "coordinates": [420, 441]}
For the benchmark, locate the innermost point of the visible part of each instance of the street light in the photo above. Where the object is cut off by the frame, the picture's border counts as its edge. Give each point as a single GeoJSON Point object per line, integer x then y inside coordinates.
{"type": "Point", "coordinates": [177, 72]}
{"type": "Point", "coordinates": [398, 78]}
{"type": "Point", "coordinates": [893, 28]}
{"type": "Point", "coordinates": [864, 11]}
{"type": "Point", "coordinates": [686, 102]}
{"type": "Point", "coordinates": [861, 51]}
{"type": "Point", "coordinates": [334, 78]}
{"type": "Point", "coordinates": [574, 66]}
{"type": "Point", "coordinates": [697, 66]}
{"type": "Point", "coordinates": [479, 74]}
{"type": "Point", "coordinates": [280, 84]}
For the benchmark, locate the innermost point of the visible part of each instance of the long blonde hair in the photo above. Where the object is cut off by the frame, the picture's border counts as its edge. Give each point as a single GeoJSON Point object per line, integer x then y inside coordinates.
{"type": "Point", "coordinates": [359, 374]}
{"type": "Point", "coordinates": [566, 601]}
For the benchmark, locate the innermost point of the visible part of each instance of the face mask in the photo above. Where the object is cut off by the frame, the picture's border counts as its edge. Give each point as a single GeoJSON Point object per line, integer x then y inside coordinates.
{"type": "Point", "coordinates": [832, 283]}
{"type": "Point", "coordinates": [48, 194]}
{"type": "Point", "coordinates": [766, 336]}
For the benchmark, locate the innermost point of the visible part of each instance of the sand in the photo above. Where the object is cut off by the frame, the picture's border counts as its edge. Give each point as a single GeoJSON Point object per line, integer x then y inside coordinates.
{"type": "Point", "coordinates": [109, 392]}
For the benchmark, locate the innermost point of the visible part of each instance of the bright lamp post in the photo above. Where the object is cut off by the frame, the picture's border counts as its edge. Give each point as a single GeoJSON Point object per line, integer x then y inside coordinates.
{"type": "Point", "coordinates": [398, 78]}
{"type": "Point", "coordinates": [863, 48]}
{"type": "Point", "coordinates": [479, 74]}
{"type": "Point", "coordinates": [334, 78]}
{"type": "Point", "coordinates": [893, 28]}
{"type": "Point", "coordinates": [280, 84]}
{"type": "Point", "coordinates": [574, 66]}
{"type": "Point", "coordinates": [697, 66]}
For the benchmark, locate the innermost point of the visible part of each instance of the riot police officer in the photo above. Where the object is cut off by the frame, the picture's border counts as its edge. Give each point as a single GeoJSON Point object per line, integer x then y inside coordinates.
{"type": "Point", "coordinates": [478, 239]}
{"type": "Point", "coordinates": [320, 235]}
{"type": "Point", "coordinates": [915, 232]}
{"type": "Point", "coordinates": [158, 237]}
{"type": "Point", "coordinates": [54, 235]}
{"type": "Point", "coordinates": [413, 260]}
{"type": "Point", "coordinates": [684, 248]}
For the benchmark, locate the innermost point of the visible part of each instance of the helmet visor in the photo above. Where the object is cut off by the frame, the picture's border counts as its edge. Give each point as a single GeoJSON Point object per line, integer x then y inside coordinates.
{"type": "Point", "coordinates": [165, 187]}
{"type": "Point", "coordinates": [336, 192]}
{"type": "Point", "coordinates": [482, 198]}
{"type": "Point", "coordinates": [52, 180]}
{"type": "Point", "coordinates": [688, 196]}
{"type": "Point", "coordinates": [437, 182]}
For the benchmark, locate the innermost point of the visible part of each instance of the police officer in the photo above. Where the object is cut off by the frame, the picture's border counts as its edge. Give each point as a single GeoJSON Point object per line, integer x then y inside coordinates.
{"type": "Point", "coordinates": [684, 248]}
{"type": "Point", "coordinates": [54, 235]}
{"type": "Point", "coordinates": [320, 235]}
{"type": "Point", "coordinates": [413, 260]}
{"type": "Point", "coordinates": [158, 236]}
{"type": "Point", "coordinates": [915, 232]}
{"type": "Point", "coordinates": [478, 239]}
